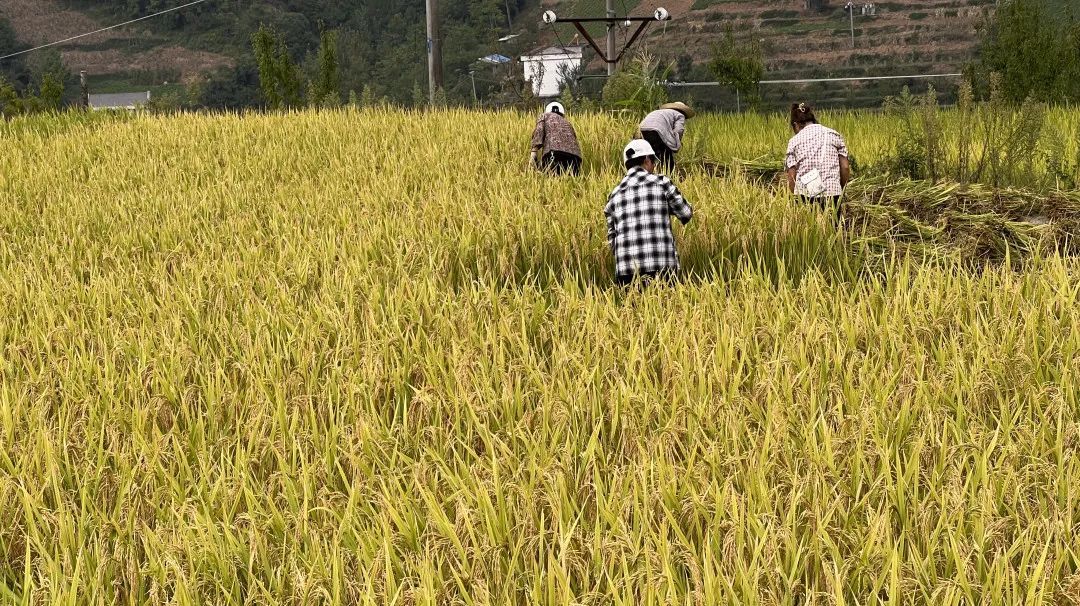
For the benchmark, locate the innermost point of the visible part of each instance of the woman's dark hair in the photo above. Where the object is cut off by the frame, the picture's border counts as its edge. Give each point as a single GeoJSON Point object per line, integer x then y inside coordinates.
{"type": "Point", "coordinates": [802, 113]}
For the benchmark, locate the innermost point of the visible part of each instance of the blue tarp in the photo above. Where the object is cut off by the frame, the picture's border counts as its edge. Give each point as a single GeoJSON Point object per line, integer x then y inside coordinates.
{"type": "Point", "coordinates": [495, 59]}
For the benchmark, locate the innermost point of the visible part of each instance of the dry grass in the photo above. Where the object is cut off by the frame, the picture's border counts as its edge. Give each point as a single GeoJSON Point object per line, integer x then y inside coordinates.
{"type": "Point", "coordinates": [277, 360]}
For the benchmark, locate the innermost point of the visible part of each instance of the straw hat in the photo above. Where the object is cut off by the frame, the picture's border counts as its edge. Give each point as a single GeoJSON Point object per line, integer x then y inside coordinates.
{"type": "Point", "coordinates": [679, 106]}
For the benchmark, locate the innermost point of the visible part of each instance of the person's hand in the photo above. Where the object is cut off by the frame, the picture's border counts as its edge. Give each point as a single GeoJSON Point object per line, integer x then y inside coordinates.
{"type": "Point", "coordinates": [532, 160]}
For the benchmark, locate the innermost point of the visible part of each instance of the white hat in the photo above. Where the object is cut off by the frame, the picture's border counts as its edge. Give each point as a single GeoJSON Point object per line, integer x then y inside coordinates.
{"type": "Point", "coordinates": [638, 148]}
{"type": "Point", "coordinates": [556, 107]}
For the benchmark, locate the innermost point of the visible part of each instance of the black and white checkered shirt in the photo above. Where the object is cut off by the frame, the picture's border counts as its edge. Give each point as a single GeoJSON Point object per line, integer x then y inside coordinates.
{"type": "Point", "coordinates": [639, 223]}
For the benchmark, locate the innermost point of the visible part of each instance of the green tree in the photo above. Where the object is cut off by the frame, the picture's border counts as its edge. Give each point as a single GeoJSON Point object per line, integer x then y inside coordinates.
{"type": "Point", "coordinates": [325, 89]}
{"type": "Point", "coordinates": [279, 77]}
{"type": "Point", "coordinates": [51, 90]}
{"type": "Point", "coordinates": [10, 104]}
{"type": "Point", "coordinates": [738, 64]}
{"type": "Point", "coordinates": [1036, 52]}
{"type": "Point", "coordinates": [637, 86]}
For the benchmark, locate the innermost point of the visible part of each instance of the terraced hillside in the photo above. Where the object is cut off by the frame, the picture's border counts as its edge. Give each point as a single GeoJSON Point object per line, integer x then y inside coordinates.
{"type": "Point", "coordinates": [901, 37]}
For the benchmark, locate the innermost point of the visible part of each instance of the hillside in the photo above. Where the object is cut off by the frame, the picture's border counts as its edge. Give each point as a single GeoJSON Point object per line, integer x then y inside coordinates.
{"type": "Point", "coordinates": [134, 53]}
{"type": "Point", "coordinates": [382, 42]}
{"type": "Point", "coordinates": [901, 37]}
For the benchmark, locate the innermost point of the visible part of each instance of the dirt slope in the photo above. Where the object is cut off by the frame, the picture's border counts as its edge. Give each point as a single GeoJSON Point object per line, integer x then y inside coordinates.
{"type": "Point", "coordinates": [114, 51]}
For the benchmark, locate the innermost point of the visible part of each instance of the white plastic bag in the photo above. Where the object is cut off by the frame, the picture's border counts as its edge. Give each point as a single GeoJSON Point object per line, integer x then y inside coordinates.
{"type": "Point", "coordinates": [811, 184]}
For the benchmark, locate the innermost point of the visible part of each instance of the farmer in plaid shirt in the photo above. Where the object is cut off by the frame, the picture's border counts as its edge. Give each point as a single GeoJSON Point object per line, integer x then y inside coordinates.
{"type": "Point", "coordinates": [638, 215]}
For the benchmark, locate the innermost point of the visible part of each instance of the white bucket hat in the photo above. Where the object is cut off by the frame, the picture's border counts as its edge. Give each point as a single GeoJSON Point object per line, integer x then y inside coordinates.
{"type": "Point", "coordinates": [555, 107]}
{"type": "Point", "coordinates": [638, 148]}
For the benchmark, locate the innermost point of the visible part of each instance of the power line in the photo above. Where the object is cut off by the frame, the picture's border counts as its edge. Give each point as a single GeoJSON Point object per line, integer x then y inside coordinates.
{"type": "Point", "coordinates": [812, 80]}
{"type": "Point", "coordinates": [104, 29]}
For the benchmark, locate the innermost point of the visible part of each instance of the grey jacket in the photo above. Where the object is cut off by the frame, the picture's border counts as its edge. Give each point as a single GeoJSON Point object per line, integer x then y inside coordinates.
{"type": "Point", "coordinates": [669, 124]}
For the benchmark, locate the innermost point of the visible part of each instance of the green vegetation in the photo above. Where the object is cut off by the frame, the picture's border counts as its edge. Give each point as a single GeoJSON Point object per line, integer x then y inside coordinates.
{"type": "Point", "coordinates": [1036, 49]}
{"type": "Point", "coordinates": [636, 88]}
{"type": "Point", "coordinates": [739, 64]}
{"type": "Point", "coordinates": [279, 77]}
{"type": "Point", "coordinates": [380, 43]}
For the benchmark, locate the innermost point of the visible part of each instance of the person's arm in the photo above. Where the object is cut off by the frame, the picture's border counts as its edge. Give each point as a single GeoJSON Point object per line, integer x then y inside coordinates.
{"type": "Point", "coordinates": [609, 214]}
{"type": "Point", "coordinates": [678, 205]}
{"type": "Point", "coordinates": [791, 166]}
{"type": "Point", "coordinates": [537, 142]}
{"type": "Point", "coordinates": [845, 165]}
{"type": "Point", "coordinates": [679, 128]}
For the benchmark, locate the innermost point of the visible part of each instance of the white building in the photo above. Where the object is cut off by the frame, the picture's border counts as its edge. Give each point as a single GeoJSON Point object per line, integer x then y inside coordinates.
{"type": "Point", "coordinates": [119, 101]}
{"type": "Point", "coordinates": [546, 68]}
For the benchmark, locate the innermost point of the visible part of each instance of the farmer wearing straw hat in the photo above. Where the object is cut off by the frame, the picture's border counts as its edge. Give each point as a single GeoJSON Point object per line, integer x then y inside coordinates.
{"type": "Point", "coordinates": [663, 129]}
{"type": "Point", "coordinates": [556, 137]}
{"type": "Point", "coordinates": [638, 213]}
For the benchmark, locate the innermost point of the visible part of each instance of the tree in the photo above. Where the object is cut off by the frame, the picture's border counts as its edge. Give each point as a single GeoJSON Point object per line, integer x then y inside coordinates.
{"type": "Point", "coordinates": [325, 89]}
{"type": "Point", "coordinates": [637, 86]}
{"type": "Point", "coordinates": [51, 90]}
{"type": "Point", "coordinates": [738, 64]}
{"type": "Point", "coordinates": [230, 89]}
{"type": "Point", "coordinates": [1036, 55]}
{"type": "Point", "coordinates": [279, 77]}
{"type": "Point", "coordinates": [10, 104]}
{"type": "Point", "coordinates": [49, 76]}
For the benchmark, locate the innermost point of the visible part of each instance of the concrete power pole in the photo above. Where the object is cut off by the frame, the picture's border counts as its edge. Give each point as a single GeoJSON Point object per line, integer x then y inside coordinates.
{"type": "Point", "coordinates": [611, 37]}
{"type": "Point", "coordinates": [84, 92]}
{"type": "Point", "coordinates": [851, 20]}
{"type": "Point", "coordinates": [434, 48]}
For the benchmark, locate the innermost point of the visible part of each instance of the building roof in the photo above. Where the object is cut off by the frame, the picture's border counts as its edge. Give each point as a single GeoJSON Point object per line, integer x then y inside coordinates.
{"type": "Point", "coordinates": [119, 100]}
{"type": "Point", "coordinates": [495, 59]}
{"type": "Point", "coordinates": [554, 50]}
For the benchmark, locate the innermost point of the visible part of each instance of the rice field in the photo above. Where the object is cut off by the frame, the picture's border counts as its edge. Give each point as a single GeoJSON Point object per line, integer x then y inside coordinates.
{"type": "Point", "coordinates": [365, 357]}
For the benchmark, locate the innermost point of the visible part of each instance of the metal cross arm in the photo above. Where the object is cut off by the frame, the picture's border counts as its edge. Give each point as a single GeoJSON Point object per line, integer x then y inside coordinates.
{"type": "Point", "coordinates": [643, 22]}
{"type": "Point", "coordinates": [608, 19]}
{"type": "Point", "coordinates": [585, 34]}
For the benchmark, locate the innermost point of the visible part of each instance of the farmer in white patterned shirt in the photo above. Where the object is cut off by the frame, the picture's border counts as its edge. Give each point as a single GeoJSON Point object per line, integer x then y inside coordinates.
{"type": "Point", "coordinates": [817, 160]}
{"type": "Point", "coordinates": [639, 214]}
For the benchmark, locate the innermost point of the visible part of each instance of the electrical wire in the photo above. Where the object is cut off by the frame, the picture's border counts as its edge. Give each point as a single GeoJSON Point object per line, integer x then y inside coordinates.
{"type": "Point", "coordinates": [557, 36]}
{"type": "Point", "coordinates": [104, 29]}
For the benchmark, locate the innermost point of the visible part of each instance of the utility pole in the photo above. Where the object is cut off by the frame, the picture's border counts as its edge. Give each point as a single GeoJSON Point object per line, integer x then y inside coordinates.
{"type": "Point", "coordinates": [434, 49]}
{"type": "Point", "coordinates": [509, 25]}
{"type": "Point", "coordinates": [84, 92]}
{"type": "Point", "coordinates": [472, 76]}
{"type": "Point", "coordinates": [611, 36]}
{"type": "Point", "coordinates": [851, 17]}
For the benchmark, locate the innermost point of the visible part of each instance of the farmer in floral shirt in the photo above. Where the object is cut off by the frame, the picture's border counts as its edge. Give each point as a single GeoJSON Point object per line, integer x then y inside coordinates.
{"type": "Point", "coordinates": [556, 138]}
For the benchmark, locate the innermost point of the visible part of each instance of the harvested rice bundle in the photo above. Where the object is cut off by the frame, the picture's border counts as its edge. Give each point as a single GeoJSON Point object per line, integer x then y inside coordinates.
{"type": "Point", "coordinates": [977, 222]}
